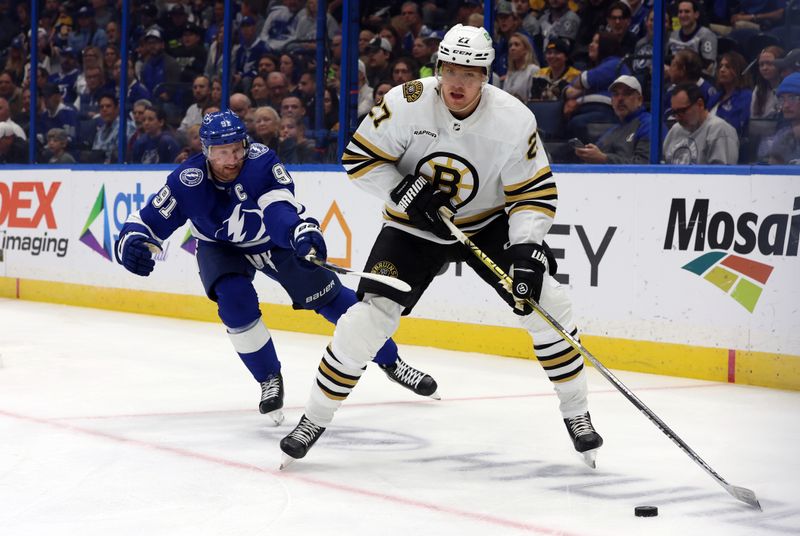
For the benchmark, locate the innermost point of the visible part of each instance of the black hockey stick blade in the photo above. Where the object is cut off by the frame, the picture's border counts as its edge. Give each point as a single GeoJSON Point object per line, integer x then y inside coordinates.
{"type": "Point", "coordinates": [393, 282]}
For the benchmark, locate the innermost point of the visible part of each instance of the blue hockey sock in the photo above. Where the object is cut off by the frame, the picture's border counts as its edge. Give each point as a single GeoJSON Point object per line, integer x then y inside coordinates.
{"type": "Point", "coordinates": [256, 350]}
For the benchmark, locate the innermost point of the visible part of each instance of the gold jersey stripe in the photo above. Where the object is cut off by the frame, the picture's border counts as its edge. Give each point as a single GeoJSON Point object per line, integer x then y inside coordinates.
{"type": "Point", "coordinates": [369, 148]}
{"type": "Point", "coordinates": [550, 192]}
{"type": "Point", "coordinates": [541, 176]}
{"type": "Point", "coordinates": [547, 212]}
{"type": "Point", "coordinates": [350, 157]}
{"type": "Point", "coordinates": [356, 172]}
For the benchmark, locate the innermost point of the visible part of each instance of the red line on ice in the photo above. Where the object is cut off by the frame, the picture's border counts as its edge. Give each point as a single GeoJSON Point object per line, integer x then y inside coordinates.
{"type": "Point", "coordinates": [373, 404]}
{"type": "Point", "coordinates": [493, 520]}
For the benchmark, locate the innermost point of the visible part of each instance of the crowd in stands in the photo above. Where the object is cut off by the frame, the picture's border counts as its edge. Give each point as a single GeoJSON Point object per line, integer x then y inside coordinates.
{"type": "Point", "coordinates": [583, 66]}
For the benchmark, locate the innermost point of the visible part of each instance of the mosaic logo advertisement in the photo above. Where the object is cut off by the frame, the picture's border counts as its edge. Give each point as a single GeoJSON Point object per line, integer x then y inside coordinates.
{"type": "Point", "coordinates": [733, 240]}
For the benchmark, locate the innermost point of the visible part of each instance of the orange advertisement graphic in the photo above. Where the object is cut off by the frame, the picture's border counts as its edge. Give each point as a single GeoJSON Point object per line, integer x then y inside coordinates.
{"type": "Point", "coordinates": [335, 217]}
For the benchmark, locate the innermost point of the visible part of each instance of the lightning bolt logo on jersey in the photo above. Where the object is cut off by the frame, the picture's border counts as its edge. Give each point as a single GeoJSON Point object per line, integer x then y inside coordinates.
{"type": "Point", "coordinates": [420, 136]}
{"type": "Point", "coordinates": [231, 212]}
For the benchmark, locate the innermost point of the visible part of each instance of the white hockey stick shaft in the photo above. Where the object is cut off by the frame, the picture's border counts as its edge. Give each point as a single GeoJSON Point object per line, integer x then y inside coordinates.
{"type": "Point", "coordinates": [743, 494]}
{"type": "Point", "coordinates": [393, 282]}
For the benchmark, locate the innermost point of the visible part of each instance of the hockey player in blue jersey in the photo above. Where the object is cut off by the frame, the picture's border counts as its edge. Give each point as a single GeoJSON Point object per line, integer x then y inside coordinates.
{"type": "Point", "coordinates": [240, 202]}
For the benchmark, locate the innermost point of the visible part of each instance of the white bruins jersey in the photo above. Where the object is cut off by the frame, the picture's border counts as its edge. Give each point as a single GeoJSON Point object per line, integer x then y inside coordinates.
{"type": "Point", "coordinates": [490, 162]}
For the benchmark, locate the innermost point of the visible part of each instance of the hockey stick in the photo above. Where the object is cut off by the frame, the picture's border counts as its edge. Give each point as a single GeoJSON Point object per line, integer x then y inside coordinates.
{"type": "Point", "coordinates": [393, 282]}
{"type": "Point", "coordinates": [743, 494]}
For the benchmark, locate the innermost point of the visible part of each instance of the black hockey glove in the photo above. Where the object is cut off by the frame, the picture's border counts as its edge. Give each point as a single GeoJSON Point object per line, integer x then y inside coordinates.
{"type": "Point", "coordinates": [529, 264]}
{"type": "Point", "coordinates": [306, 238]}
{"type": "Point", "coordinates": [421, 202]}
{"type": "Point", "coordinates": [134, 251]}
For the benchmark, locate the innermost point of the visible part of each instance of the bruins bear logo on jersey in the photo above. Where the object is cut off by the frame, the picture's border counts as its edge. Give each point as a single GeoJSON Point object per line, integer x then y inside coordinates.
{"type": "Point", "coordinates": [412, 90]}
{"type": "Point", "coordinates": [452, 174]}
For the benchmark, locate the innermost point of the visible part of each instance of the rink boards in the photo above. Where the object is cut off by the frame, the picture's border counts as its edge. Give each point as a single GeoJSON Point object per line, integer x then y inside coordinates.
{"type": "Point", "coordinates": [670, 273]}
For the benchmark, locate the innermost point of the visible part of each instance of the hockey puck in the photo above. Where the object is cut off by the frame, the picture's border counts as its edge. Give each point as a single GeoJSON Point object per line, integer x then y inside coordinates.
{"type": "Point", "coordinates": [646, 511]}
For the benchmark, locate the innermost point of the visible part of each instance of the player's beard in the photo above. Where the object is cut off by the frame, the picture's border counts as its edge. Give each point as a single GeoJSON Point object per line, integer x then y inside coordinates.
{"type": "Point", "coordinates": [227, 173]}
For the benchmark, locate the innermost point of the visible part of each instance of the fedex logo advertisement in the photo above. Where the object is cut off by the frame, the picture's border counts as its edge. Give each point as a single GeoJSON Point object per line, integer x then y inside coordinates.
{"type": "Point", "coordinates": [733, 239]}
{"type": "Point", "coordinates": [28, 219]}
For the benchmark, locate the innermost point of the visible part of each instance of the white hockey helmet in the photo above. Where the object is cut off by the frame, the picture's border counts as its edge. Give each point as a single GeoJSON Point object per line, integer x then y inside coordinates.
{"type": "Point", "coordinates": [467, 45]}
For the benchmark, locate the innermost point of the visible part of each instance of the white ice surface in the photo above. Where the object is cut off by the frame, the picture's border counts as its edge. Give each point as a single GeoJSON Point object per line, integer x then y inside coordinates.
{"type": "Point", "coordinates": [120, 424]}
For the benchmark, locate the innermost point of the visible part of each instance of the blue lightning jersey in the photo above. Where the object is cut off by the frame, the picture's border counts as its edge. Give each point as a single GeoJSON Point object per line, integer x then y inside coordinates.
{"type": "Point", "coordinates": [254, 212]}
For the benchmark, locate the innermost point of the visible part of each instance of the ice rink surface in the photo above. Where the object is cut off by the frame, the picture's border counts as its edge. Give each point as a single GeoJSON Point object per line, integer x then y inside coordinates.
{"type": "Point", "coordinates": [121, 424]}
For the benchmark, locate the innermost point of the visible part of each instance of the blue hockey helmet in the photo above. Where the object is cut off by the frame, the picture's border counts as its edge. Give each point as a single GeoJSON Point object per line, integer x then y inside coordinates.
{"type": "Point", "coordinates": [222, 128]}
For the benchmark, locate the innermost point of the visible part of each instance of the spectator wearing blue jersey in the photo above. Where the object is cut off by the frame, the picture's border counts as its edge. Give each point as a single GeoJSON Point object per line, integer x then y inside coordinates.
{"type": "Point", "coordinates": [88, 102]}
{"type": "Point", "coordinates": [412, 18]}
{"type": "Point", "coordinates": [136, 90]}
{"type": "Point", "coordinates": [53, 113]}
{"type": "Point", "coordinates": [160, 67]}
{"type": "Point", "coordinates": [215, 22]}
{"type": "Point", "coordinates": [588, 96]}
{"type": "Point", "coordinates": [628, 142]}
{"type": "Point", "coordinates": [508, 24]}
{"type": "Point", "coordinates": [280, 28]}
{"type": "Point", "coordinates": [156, 146]}
{"type": "Point", "coordinates": [66, 78]}
{"type": "Point", "coordinates": [640, 9]}
{"type": "Point", "coordinates": [734, 97]}
{"type": "Point", "coordinates": [137, 113]}
{"type": "Point", "coordinates": [250, 50]}
{"type": "Point", "coordinates": [240, 201]}
{"type": "Point", "coordinates": [87, 33]}
{"type": "Point", "coordinates": [784, 146]}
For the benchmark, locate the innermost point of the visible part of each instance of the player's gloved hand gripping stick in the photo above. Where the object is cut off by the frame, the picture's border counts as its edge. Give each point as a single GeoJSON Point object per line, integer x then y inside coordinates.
{"type": "Point", "coordinates": [743, 494]}
{"type": "Point", "coordinates": [309, 244]}
{"type": "Point", "coordinates": [135, 252]}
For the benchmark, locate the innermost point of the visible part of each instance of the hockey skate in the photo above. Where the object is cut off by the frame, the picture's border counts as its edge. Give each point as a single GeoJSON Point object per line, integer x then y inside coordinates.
{"type": "Point", "coordinates": [411, 378]}
{"type": "Point", "coordinates": [584, 437]}
{"type": "Point", "coordinates": [299, 441]}
{"type": "Point", "coordinates": [272, 398]}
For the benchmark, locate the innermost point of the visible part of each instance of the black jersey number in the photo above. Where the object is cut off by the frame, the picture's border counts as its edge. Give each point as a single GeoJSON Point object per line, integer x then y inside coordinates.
{"type": "Point", "coordinates": [532, 146]}
{"type": "Point", "coordinates": [379, 113]}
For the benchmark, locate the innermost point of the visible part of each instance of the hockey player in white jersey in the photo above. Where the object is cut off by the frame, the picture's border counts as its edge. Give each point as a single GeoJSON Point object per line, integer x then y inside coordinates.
{"type": "Point", "coordinates": [452, 140]}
